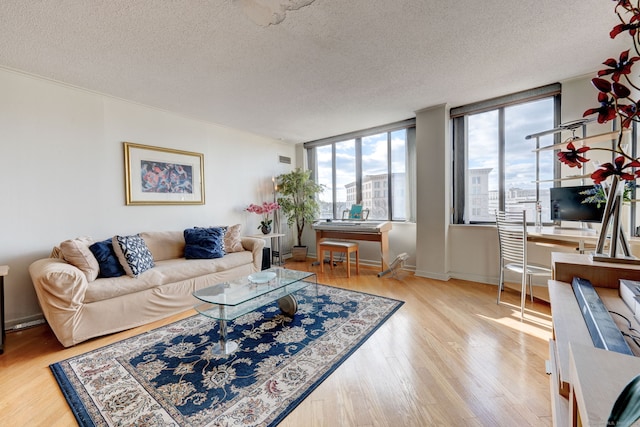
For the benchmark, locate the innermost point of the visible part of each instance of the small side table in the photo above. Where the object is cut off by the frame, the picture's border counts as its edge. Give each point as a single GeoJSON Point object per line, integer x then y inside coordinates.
{"type": "Point", "coordinates": [274, 253]}
{"type": "Point", "coordinates": [4, 270]}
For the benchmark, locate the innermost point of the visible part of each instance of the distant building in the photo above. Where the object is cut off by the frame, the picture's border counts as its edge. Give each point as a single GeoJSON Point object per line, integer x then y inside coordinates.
{"type": "Point", "coordinates": [482, 203]}
{"type": "Point", "coordinates": [375, 195]}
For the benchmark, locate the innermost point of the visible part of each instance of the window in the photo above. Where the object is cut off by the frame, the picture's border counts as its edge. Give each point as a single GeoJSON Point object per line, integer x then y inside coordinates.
{"type": "Point", "coordinates": [372, 167]}
{"type": "Point", "coordinates": [495, 166]}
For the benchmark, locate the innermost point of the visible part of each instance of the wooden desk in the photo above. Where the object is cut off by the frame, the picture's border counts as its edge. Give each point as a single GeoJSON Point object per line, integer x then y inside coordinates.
{"type": "Point", "coordinates": [359, 230]}
{"type": "Point", "coordinates": [571, 237]}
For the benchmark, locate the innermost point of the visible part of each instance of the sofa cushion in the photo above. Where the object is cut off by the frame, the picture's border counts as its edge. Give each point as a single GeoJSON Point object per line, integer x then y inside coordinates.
{"type": "Point", "coordinates": [107, 259]}
{"type": "Point", "coordinates": [232, 239]}
{"type": "Point", "coordinates": [133, 254]}
{"type": "Point", "coordinates": [164, 244]}
{"type": "Point", "coordinates": [203, 272]}
{"type": "Point", "coordinates": [76, 252]}
{"type": "Point", "coordinates": [204, 243]}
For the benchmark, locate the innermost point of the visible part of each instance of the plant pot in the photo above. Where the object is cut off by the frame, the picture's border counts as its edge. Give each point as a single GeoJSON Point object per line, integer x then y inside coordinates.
{"type": "Point", "coordinates": [266, 229]}
{"type": "Point", "coordinates": [299, 253]}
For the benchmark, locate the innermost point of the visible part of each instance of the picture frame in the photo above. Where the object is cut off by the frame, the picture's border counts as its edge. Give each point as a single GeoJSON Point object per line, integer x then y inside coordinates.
{"type": "Point", "coordinates": [162, 176]}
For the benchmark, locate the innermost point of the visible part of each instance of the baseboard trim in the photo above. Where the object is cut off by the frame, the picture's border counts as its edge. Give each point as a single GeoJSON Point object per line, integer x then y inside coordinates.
{"type": "Point", "coordinates": [366, 262]}
{"type": "Point", "coordinates": [476, 278]}
{"type": "Point", "coordinates": [24, 323]}
{"type": "Point", "coordinates": [430, 275]}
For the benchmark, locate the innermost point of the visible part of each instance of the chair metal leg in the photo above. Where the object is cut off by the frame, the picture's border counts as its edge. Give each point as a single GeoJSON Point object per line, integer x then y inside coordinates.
{"type": "Point", "coordinates": [531, 287]}
{"type": "Point", "coordinates": [523, 295]}
{"type": "Point", "coordinates": [500, 283]}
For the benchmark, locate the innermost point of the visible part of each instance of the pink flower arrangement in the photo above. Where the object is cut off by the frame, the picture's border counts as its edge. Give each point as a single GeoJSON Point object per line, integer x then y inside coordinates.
{"type": "Point", "coordinates": [264, 209]}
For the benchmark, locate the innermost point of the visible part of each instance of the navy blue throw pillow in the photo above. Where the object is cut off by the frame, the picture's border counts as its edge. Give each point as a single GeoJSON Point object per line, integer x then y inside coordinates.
{"type": "Point", "coordinates": [204, 243]}
{"type": "Point", "coordinates": [107, 259]}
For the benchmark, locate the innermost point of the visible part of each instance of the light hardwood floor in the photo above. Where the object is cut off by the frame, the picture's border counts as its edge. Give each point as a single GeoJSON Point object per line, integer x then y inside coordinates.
{"type": "Point", "coordinates": [449, 357]}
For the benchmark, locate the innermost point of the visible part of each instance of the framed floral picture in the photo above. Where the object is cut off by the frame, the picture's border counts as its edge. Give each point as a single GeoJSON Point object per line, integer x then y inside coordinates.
{"type": "Point", "coordinates": [162, 176]}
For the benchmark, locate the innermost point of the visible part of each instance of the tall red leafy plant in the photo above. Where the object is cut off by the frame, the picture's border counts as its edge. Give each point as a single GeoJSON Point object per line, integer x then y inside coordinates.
{"type": "Point", "coordinates": [615, 84]}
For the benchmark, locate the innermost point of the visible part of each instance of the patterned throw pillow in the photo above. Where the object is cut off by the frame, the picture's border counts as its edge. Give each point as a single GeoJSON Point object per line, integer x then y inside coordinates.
{"type": "Point", "coordinates": [204, 243]}
{"type": "Point", "coordinates": [107, 259]}
{"type": "Point", "coordinates": [232, 241]}
{"type": "Point", "coordinates": [133, 254]}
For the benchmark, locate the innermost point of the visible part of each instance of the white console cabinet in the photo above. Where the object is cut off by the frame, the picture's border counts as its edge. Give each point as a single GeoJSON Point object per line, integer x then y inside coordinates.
{"type": "Point", "coordinates": [586, 381]}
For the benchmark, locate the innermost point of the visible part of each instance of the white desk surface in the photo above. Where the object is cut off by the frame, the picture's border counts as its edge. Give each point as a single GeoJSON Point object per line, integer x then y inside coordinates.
{"type": "Point", "coordinates": [563, 233]}
{"type": "Point", "coordinates": [577, 235]}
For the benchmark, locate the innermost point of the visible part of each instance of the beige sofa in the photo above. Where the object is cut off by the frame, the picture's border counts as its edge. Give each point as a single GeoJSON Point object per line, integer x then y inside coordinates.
{"type": "Point", "coordinates": [78, 308]}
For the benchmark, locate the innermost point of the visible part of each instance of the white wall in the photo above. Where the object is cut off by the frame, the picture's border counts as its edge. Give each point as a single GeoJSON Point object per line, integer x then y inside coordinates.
{"type": "Point", "coordinates": [62, 169]}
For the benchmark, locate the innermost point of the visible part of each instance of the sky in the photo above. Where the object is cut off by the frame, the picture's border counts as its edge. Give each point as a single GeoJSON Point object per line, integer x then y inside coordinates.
{"type": "Point", "coordinates": [520, 120]}
{"type": "Point", "coordinates": [374, 161]}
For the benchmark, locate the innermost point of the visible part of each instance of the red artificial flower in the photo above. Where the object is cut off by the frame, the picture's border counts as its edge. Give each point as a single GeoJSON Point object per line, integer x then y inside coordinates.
{"type": "Point", "coordinates": [601, 84]}
{"type": "Point", "coordinates": [628, 113]}
{"type": "Point", "coordinates": [620, 90]}
{"type": "Point", "coordinates": [620, 67]}
{"type": "Point", "coordinates": [607, 169]}
{"type": "Point", "coordinates": [573, 157]}
{"type": "Point", "coordinates": [625, 4]}
{"type": "Point", "coordinates": [620, 28]}
{"type": "Point", "coordinates": [606, 111]}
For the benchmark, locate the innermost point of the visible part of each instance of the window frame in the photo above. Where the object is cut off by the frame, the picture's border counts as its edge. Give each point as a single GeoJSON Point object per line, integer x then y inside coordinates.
{"type": "Point", "coordinates": [410, 126]}
{"type": "Point", "coordinates": [459, 117]}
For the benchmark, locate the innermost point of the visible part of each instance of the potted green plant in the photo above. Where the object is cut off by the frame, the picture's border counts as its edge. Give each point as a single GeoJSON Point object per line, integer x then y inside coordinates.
{"type": "Point", "coordinates": [299, 203]}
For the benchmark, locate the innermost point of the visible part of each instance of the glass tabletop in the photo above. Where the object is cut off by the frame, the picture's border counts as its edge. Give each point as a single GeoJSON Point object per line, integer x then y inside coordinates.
{"type": "Point", "coordinates": [241, 290]}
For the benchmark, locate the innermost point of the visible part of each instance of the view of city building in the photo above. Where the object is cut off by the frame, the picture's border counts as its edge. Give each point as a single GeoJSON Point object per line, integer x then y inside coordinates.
{"type": "Point", "coordinates": [375, 197]}
{"type": "Point", "coordinates": [483, 202]}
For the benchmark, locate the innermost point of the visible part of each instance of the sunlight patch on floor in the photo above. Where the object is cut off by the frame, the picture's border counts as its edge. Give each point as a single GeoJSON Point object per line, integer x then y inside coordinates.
{"type": "Point", "coordinates": [534, 323]}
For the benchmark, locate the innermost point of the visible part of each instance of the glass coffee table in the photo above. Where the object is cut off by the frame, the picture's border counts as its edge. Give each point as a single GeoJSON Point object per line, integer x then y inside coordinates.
{"type": "Point", "coordinates": [229, 300]}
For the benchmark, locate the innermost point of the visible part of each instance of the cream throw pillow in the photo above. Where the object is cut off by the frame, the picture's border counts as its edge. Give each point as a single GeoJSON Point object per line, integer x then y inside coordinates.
{"type": "Point", "coordinates": [232, 241]}
{"type": "Point", "coordinates": [76, 252]}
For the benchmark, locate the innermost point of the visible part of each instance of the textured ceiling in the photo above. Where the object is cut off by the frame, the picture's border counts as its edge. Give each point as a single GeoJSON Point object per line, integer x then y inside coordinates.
{"type": "Point", "coordinates": [312, 69]}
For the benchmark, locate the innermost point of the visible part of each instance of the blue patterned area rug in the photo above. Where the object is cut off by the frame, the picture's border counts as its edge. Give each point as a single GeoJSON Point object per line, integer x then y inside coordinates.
{"type": "Point", "coordinates": [169, 376]}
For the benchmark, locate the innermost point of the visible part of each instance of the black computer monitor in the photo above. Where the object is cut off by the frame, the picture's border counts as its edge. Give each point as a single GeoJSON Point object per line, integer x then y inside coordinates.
{"type": "Point", "coordinates": [567, 204]}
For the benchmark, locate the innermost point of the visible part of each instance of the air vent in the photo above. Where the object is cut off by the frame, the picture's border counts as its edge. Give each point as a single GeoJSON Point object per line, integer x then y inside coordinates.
{"type": "Point", "coordinates": [285, 159]}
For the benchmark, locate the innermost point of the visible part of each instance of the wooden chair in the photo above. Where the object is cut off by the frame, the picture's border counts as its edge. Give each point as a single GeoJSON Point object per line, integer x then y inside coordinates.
{"type": "Point", "coordinates": [512, 238]}
{"type": "Point", "coordinates": [339, 246]}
